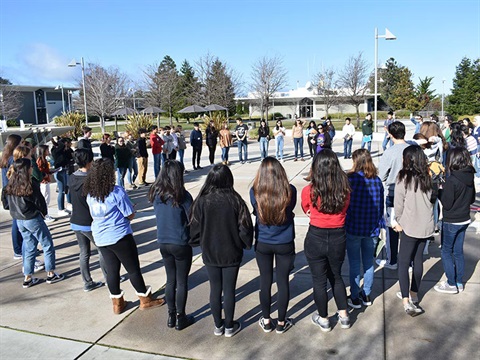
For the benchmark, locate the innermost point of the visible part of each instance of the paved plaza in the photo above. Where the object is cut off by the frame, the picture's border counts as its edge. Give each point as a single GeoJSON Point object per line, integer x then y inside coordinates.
{"type": "Point", "coordinates": [61, 321]}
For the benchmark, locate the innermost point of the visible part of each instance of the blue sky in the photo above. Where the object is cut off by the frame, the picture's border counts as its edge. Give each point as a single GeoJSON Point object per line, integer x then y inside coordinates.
{"type": "Point", "coordinates": [39, 38]}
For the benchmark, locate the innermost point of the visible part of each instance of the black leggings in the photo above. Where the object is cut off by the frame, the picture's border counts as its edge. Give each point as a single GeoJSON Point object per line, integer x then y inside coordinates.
{"type": "Point", "coordinates": [124, 252]}
{"type": "Point", "coordinates": [284, 255]}
{"type": "Point", "coordinates": [411, 249]}
{"type": "Point", "coordinates": [211, 153]}
{"type": "Point", "coordinates": [197, 152]}
{"type": "Point", "coordinates": [178, 261]}
{"type": "Point", "coordinates": [222, 279]}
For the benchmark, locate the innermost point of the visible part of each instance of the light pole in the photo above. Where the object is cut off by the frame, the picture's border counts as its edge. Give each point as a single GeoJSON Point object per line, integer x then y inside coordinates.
{"type": "Point", "coordinates": [63, 98]}
{"type": "Point", "coordinates": [3, 105]}
{"type": "Point", "coordinates": [74, 63]}
{"type": "Point", "coordinates": [69, 94]}
{"type": "Point", "coordinates": [388, 36]}
{"type": "Point", "coordinates": [443, 97]}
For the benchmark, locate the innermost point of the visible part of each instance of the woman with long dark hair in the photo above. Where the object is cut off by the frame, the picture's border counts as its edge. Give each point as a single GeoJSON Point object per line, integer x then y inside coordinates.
{"type": "Point", "coordinates": [112, 211]}
{"type": "Point", "coordinates": [273, 200]}
{"type": "Point", "coordinates": [171, 203]}
{"type": "Point", "coordinates": [28, 207]}
{"type": "Point", "coordinates": [322, 140]}
{"type": "Point", "coordinates": [297, 135]}
{"type": "Point", "coordinates": [311, 132]}
{"type": "Point", "coordinates": [211, 138]}
{"type": "Point", "coordinates": [413, 204]}
{"type": "Point", "coordinates": [221, 225]}
{"type": "Point", "coordinates": [263, 138]}
{"type": "Point", "coordinates": [43, 152]}
{"type": "Point", "coordinates": [325, 200]}
{"type": "Point", "coordinates": [279, 134]}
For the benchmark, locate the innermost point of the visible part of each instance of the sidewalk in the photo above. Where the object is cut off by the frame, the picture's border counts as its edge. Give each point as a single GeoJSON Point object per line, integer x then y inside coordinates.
{"type": "Point", "coordinates": [60, 321]}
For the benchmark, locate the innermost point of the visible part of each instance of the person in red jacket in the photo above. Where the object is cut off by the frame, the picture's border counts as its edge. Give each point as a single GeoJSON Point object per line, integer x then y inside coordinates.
{"type": "Point", "coordinates": [156, 142]}
{"type": "Point", "coordinates": [325, 200]}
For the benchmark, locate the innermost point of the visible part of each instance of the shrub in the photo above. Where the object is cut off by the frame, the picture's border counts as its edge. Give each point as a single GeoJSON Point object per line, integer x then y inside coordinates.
{"type": "Point", "coordinates": [218, 120]}
{"type": "Point", "coordinates": [12, 123]}
{"type": "Point", "coordinates": [136, 122]}
{"type": "Point", "coordinates": [71, 119]}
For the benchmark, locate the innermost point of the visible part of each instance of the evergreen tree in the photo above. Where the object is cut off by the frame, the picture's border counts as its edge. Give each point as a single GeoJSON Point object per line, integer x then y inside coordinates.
{"type": "Point", "coordinates": [168, 80]}
{"type": "Point", "coordinates": [465, 97]}
{"type": "Point", "coordinates": [402, 96]}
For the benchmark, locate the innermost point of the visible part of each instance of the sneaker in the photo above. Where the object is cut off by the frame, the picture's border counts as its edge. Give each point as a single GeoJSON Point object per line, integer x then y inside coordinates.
{"type": "Point", "coordinates": [92, 286]}
{"type": "Point", "coordinates": [445, 288]}
{"type": "Point", "coordinates": [302, 159]}
{"type": "Point", "coordinates": [287, 324]}
{"type": "Point", "coordinates": [414, 301]}
{"type": "Point", "coordinates": [295, 159]}
{"type": "Point", "coordinates": [133, 186]}
{"type": "Point", "coordinates": [123, 278]}
{"type": "Point", "coordinates": [218, 331]}
{"type": "Point", "coordinates": [266, 327]}
{"type": "Point", "coordinates": [460, 287]}
{"type": "Point", "coordinates": [48, 219]}
{"type": "Point", "coordinates": [354, 303]}
{"type": "Point", "coordinates": [386, 264]}
{"type": "Point", "coordinates": [55, 278]}
{"type": "Point", "coordinates": [39, 266]}
{"type": "Point", "coordinates": [17, 256]}
{"type": "Point", "coordinates": [324, 324]}
{"type": "Point", "coordinates": [229, 332]}
{"type": "Point", "coordinates": [30, 283]}
{"type": "Point", "coordinates": [366, 300]}
{"type": "Point", "coordinates": [412, 309]}
{"type": "Point", "coordinates": [344, 321]}
{"type": "Point", "coordinates": [63, 213]}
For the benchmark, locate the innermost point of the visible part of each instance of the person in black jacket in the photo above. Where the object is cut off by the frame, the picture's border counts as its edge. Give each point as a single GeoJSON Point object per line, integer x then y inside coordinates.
{"type": "Point", "coordinates": [106, 150]}
{"type": "Point", "coordinates": [62, 162]}
{"type": "Point", "coordinates": [28, 207]}
{"type": "Point", "coordinates": [220, 223]}
{"type": "Point", "coordinates": [142, 156]}
{"type": "Point", "coordinates": [85, 142]}
{"type": "Point", "coordinates": [211, 135]}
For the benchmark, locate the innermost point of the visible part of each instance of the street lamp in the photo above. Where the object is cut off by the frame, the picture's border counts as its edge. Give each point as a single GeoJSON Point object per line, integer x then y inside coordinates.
{"type": "Point", "coordinates": [63, 98]}
{"type": "Point", "coordinates": [74, 63]}
{"type": "Point", "coordinates": [69, 94]}
{"type": "Point", "coordinates": [443, 97]}
{"type": "Point", "coordinates": [3, 105]}
{"type": "Point", "coordinates": [388, 36]}
{"type": "Point", "coordinates": [132, 91]}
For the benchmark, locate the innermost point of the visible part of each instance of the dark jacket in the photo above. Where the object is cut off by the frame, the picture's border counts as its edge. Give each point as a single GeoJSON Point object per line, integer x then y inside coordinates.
{"type": "Point", "coordinates": [367, 127]}
{"type": "Point", "coordinates": [215, 227]}
{"type": "Point", "coordinates": [142, 147]}
{"type": "Point", "coordinates": [28, 207]}
{"type": "Point", "coordinates": [196, 139]}
{"type": "Point", "coordinates": [80, 210]}
{"type": "Point", "coordinates": [263, 132]}
{"type": "Point", "coordinates": [457, 195]}
{"type": "Point", "coordinates": [211, 135]}
{"type": "Point", "coordinates": [84, 144]}
{"type": "Point", "coordinates": [122, 156]}
{"type": "Point", "coordinates": [107, 151]}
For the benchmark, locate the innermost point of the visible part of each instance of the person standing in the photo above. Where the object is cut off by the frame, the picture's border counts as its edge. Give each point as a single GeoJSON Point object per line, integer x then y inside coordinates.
{"type": "Point", "coordinates": [85, 142]}
{"type": "Point", "coordinates": [182, 144]}
{"type": "Point", "coordinates": [132, 166]}
{"type": "Point", "coordinates": [63, 159]}
{"type": "Point", "coordinates": [211, 136]}
{"type": "Point", "coordinates": [328, 126]}
{"type": "Point", "coordinates": [367, 132]}
{"type": "Point", "coordinates": [241, 131]}
{"type": "Point", "coordinates": [156, 143]}
{"type": "Point", "coordinates": [226, 140]}
{"type": "Point", "coordinates": [273, 200]}
{"type": "Point", "coordinates": [220, 223]}
{"type": "Point", "coordinates": [414, 220]}
{"type": "Point", "coordinates": [122, 160]}
{"type": "Point", "coordinates": [297, 135]}
{"type": "Point", "coordinates": [417, 121]}
{"type": "Point", "coordinates": [325, 200]}
{"type": "Point", "coordinates": [279, 134]}
{"type": "Point", "coordinates": [348, 132]}
{"type": "Point", "coordinates": [106, 150]}
{"type": "Point", "coordinates": [322, 139]}
{"type": "Point", "coordinates": [142, 156]}
{"type": "Point", "coordinates": [311, 132]}
{"type": "Point", "coordinates": [387, 139]}
{"type": "Point", "coordinates": [44, 167]}
{"type": "Point", "coordinates": [196, 141]}
{"type": "Point", "coordinates": [171, 203]}
{"type": "Point", "coordinates": [263, 138]}
{"type": "Point", "coordinates": [169, 148]}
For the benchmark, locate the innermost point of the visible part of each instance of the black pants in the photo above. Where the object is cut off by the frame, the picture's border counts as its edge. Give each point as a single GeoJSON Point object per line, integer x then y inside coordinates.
{"type": "Point", "coordinates": [311, 147]}
{"type": "Point", "coordinates": [411, 249]}
{"type": "Point", "coordinates": [325, 253]}
{"type": "Point", "coordinates": [284, 254]}
{"type": "Point", "coordinates": [197, 152]}
{"type": "Point", "coordinates": [222, 279]}
{"type": "Point", "coordinates": [124, 252]}
{"type": "Point", "coordinates": [211, 153]}
{"type": "Point", "coordinates": [172, 155]}
{"type": "Point", "coordinates": [178, 261]}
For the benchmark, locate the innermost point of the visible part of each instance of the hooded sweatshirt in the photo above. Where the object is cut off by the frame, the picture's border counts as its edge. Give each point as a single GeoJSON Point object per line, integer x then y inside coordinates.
{"type": "Point", "coordinates": [80, 219]}
{"type": "Point", "coordinates": [457, 195]}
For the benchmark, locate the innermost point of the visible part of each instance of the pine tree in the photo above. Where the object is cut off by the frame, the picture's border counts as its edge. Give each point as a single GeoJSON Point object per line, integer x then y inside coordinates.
{"type": "Point", "coordinates": [465, 97]}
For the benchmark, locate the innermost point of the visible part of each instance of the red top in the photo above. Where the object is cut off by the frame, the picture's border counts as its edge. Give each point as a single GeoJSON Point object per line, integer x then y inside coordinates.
{"type": "Point", "coordinates": [156, 143]}
{"type": "Point", "coordinates": [319, 219]}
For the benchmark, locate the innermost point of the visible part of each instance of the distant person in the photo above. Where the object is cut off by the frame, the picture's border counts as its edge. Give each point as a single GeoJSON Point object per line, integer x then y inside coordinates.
{"type": "Point", "coordinates": [107, 151]}
{"type": "Point", "coordinates": [226, 140]}
{"type": "Point", "coordinates": [122, 161]}
{"type": "Point", "coordinates": [322, 140]}
{"type": "Point", "coordinates": [170, 146]}
{"type": "Point", "coordinates": [241, 131]}
{"type": "Point", "coordinates": [311, 132]}
{"type": "Point", "coordinates": [297, 137]}
{"type": "Point", "coordinates": [142, 157]}
{"type": "Point", "coordinates": [196, 141]}
{"type": "Point", "coordinates": [211, 139]}
{"type": "Point", "coordinates": [85, 142]}
{"type": "Point", "coordinates": [279, 134]}
{"type": "Point", "coordinates": [387, 140]}
{"type": "Point", "coordinates": [156, 143]}
{"type": "Point", "coordinates": [367, 132]}
{"type": "Point", "coordinates": [328, 125]}
{"type": "Point", "coordinates": [349, 132]}
{"type": "Point", "coordinates": [417, 121]}
{"type": "Point", "coordinates": [63, 161]}
{"type": "Point", "coordinates": [182, 144]}
{"type": "Point", "coordinates": [132, 171]}
{"type": "Point", "coordinates": [43, 164]}
{"type": "Point", "coordinates": [263, 138]}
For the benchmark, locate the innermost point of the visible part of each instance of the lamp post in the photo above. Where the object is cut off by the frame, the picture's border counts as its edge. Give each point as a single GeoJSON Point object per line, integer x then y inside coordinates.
{"type": "Point", "coordinates": [69, 94]}
{"type": "Point", "coordinates": [74, 63]}
{"type": "Point", "coordinates": [3, 105]}
{"type": "Point", "coordinates": [388, 36]}
{"type": "Point", "coordinates": [63, 98]}
{"type": "Point", "coordinates": [443, 97]}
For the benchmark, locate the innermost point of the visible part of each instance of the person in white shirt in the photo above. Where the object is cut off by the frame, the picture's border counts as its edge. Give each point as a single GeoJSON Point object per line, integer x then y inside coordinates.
{"type": "Point", "coordinates": [348, 132]}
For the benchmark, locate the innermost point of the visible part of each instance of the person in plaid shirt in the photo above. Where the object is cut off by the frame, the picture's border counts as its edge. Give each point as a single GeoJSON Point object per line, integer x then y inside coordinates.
{"type": "Point", "coordinates": [363, 223]}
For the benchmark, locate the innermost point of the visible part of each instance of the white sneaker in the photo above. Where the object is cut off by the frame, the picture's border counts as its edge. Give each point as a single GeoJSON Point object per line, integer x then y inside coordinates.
{"type": "Point", "coordinates": [63, 213]}
{"type": "Point", "coordinates": [386, 264]}
{"type": "Point", "coordinates": [39, 266]}
{"type": "Point", "coordinates": [49, 219]}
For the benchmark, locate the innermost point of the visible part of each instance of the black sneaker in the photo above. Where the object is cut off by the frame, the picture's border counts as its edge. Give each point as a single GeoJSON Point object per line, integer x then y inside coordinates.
{"type": "Point", "coordinates": [344, 321]}
{"type": "Point", "coordinates": [354, 303]}
{"type": "Point", "coordinates": [55, 278]}
{"type": "Point", "coordinates": [30, 283]}
{"type": "Point", "coordinates": [266, 327]}
{"type": "Point", "coordinates": [229, 332]}
{"type": "Point", "coordinates": [92, 286]}
{"type": "Point", "coordinates": [288, 323]}
{"type": "Point", "coordinates": [366, 300]}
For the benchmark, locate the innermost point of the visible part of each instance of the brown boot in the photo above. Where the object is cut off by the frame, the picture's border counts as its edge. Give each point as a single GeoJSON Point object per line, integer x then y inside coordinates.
{"type": "Point", "coordinates": [146, 301]}
{"type": "Point", "coordinates": [119, 304]}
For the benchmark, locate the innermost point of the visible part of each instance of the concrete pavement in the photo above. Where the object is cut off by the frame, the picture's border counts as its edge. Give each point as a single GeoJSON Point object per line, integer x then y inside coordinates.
{"type": "Point", "coordinates": [60, 321]}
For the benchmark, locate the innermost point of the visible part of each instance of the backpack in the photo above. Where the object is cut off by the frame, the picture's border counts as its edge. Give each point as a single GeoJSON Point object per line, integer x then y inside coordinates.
{"type": "Point", "coordinates": [437, 172]}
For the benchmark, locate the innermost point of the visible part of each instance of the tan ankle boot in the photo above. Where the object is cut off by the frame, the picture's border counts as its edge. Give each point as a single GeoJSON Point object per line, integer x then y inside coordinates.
{"type": "Point", "coordinates": [146, 301]}
{"type": "Point", "coordinates": [119, 304]}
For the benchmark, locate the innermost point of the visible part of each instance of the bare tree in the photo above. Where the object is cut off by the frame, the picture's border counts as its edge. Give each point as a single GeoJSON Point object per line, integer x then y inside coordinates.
{"type": "Point", "coordinates": [268, 76]}
{"type": "Point", "coordinates": [153, 88]}
{"type": "Point", "coordinates": [325, 82]}
{"type": "Point", "coordinates": [11, 101]}
{"type": "Point", "coordinates": [353, 81]}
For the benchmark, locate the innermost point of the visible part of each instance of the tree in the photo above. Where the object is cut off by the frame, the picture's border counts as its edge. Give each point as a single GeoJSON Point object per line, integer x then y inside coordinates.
{"type": "Point", "coordinates": [423, 93]}
{"type": "Point", "coordinates": [389, 76]}
{"type": "Point", "coordinates": [189, 87]}
{"type": "Point", "coordinates": [353, 81]}
{"type": "Point", "coordinates": [325, 83]}
{"type": "Point", "coordinates": [465, 97]}
{"type": "Point", "coordinates": [402, 96]}
{"type": "Point", "coordinates": [12, 100]}
{"type": "Point", "coordinates": [268, 76]}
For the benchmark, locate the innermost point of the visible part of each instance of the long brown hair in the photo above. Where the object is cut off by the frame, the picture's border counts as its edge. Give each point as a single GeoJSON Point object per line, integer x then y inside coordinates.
{"type": "Point", "coordinates": [362, 161]}
{"type": "Point", "coordinates": [430, 128]}
{"type": "Point", "coordinates": [100, 180]}
{"type": "Point", "coordinates": [272, 192]}
{"type": "Point", "coordinates": [415, 169]}
{"type": "Point", "coordinates": [20, 182]}
{"type": "Point", "coordinates": [10, 144]}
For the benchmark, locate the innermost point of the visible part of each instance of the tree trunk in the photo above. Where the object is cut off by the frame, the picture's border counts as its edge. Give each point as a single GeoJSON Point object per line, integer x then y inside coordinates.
{"type": "Point", "coordinates": [358, 116]}
{"type": "Point", "coordinates": [102, 124]}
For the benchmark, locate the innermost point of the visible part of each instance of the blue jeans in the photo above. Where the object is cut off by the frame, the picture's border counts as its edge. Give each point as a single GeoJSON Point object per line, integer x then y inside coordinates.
{"type": "Point", "coordinates": [17, 239]}
{"type": "Point", "coordinates": [121, 176]}
{"type": "Point", "coordinates": [62, 181]}
{"type": "Point", "coordinates": [369, 144]}
{"type": "Point", "coordinates": [35, 231]}
{"type": "Point", "coordinates": [279, 141]}
{"type": "Point", "coordinates": [347, 148]}
{"type": "Point", "coordinates": [156, 164]}
{"type": "Point", "coordinates": [452, 252]}
{"type": "Point", "coordinates": [181, 154]}
{"type": "Point", "coordinates": [225, 151]}
{"type": "Point", "coordinates": [263, 147]}
{"type": "Point", "coordinates": [360, 249]}
{"type": "Point", "coordinates": [298, 143]}
{"type": "Point", "coordinates": [132, 171]}
{"type": "Point", "coordinates": [386, 141]}
{"type": "Point", "coordinates": [242, 148]}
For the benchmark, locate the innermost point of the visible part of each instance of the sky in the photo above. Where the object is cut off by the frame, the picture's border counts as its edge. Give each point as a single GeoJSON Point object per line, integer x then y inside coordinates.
{"type": "Point", "coordinates": [39, 38]}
